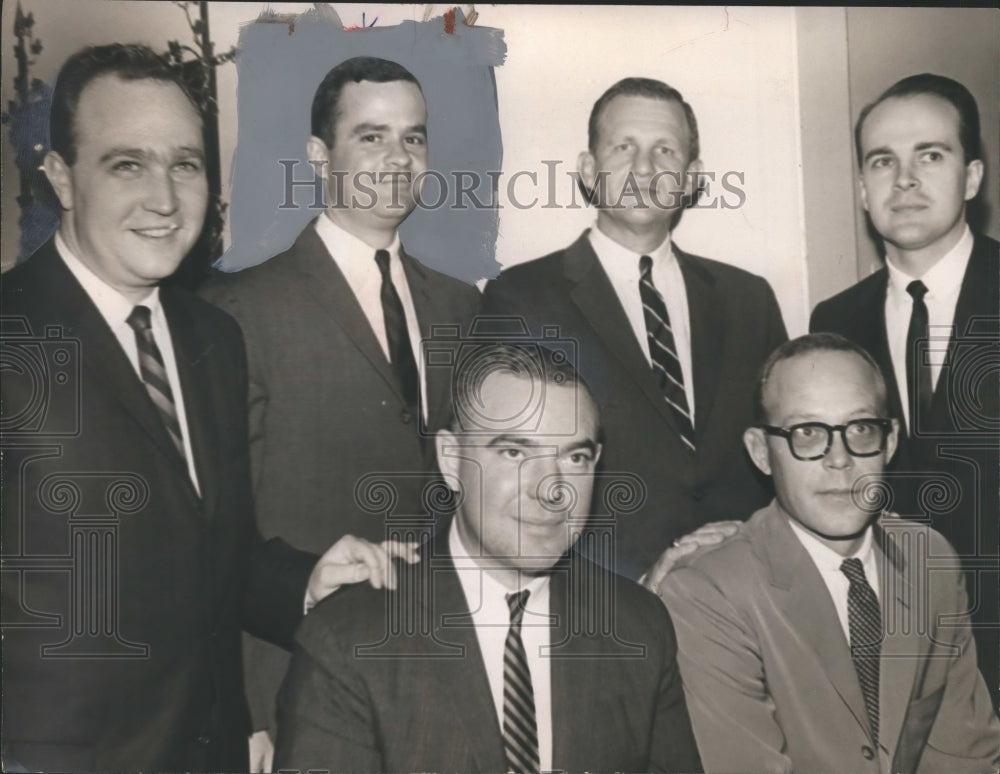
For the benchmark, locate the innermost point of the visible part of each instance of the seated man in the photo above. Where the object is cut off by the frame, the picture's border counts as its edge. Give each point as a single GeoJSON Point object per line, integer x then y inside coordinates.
{"type": "Point", "coordinates": [823, 637]}
{"type": "Point", "coordinates": [540, 659]}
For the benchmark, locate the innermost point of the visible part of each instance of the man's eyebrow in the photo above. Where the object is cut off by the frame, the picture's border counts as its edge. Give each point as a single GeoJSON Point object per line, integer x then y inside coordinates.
{"type": "Point", "coordinates": [883, 151]}
{"type": "Point", "coordinates": [368, 127]}
{"type": "Point", "coordinates": [142, 153]}
{"type": "Point", "coordinates": [934, 145]}
{"type": "Point", "coordinates": [517, 440]}
{"type": "Point", "coordinates": [589, 445]}
{"type": "Point", "coordinates": [512, 440]}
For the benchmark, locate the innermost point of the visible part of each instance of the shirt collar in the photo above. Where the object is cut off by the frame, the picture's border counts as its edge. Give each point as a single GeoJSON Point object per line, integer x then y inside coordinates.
{"type": "Point", "coordinates": [344, 246]}
{"type": "Point", "coordinates": [112, 305]}
{"type": "Point", "coordinates": [824, 557]}
{"type": "Point", "coordinates": [945, 277]}
{"type": "Point", "coordinates": [617, 259]}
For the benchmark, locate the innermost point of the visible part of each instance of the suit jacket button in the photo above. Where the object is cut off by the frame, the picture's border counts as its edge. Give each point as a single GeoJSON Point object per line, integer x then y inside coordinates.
{"type": "Point", "coordinates": [698, 493]}
{"type": "Point", "coordinates": [406, 417]}
{"type": "Point", "coordinates": [867, 752]}
{"type": "Point", "coordinates": [204, 739]}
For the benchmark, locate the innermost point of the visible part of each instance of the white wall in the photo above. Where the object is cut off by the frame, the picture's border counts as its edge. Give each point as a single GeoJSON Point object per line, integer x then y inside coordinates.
{"type": "Point", "coordinates": [736, 67]}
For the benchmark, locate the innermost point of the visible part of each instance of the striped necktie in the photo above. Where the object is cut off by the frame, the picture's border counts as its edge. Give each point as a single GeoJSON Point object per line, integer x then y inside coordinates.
{"type": "Point", "coordinates": [663, 351]}
{"type": "Point", "coordinates": [864, 620]}
{"type": "Point", "coordinates": [154, 374]}
{"type": "Point", "coordinates": [520, 732]}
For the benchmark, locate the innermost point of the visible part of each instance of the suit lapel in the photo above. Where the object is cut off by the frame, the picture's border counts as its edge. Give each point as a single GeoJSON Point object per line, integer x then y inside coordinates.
{"type": "Point", "coordinates": [806, 601]}
{"type": "Point", "coordinates": [978, 298]}
{"type": "Point", "coordinates": [707, 310]}
{"type": "Point", "coordinates": [192, 355]}
{"type": "Point", "coordinates": [901, 649]}
{"type": "Point", "coordinates": [326, 283]}
{"type": "Point", "coordinates": [428, 315]}
{"type": "Point", "coordinates": [470, 694]}
{"type": "Point", "coordinates": [597, 301]}
{"type": "Point", "coordinates": [102, 356]}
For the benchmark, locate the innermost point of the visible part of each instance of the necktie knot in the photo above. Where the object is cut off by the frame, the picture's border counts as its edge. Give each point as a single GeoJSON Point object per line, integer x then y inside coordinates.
{"type": "Point", "coordinates": [645, 267]}
{"type": "Point", "coordinates": [382, 259]}
{"type": "Point", "coordinates": [854, 570]}
{"type": "Point", "coordinates": [140, 319]}
{"type": "Point", "coordinates": [516, 603]}
{"type": "Point", "coordinates": [917, 289]}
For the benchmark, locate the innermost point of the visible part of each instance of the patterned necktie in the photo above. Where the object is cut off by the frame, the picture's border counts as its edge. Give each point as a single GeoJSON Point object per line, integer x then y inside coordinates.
{"type": "Point", "coordinates": [400, 351]}
{"type": "Point", "coordinates": [663, 351]}
{"type": "Point", "coordinates": [918, 367]}
{"type": "Point", "coordinates": [520, 733]}
{"type": "Point", "coordinates": [154, 375]}
{"type": "Point", "coordinates": [864, 620]}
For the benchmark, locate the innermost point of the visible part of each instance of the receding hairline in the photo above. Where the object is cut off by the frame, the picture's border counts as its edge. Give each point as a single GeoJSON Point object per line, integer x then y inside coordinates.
{"type": "Point", "coordinates": [880, 394]}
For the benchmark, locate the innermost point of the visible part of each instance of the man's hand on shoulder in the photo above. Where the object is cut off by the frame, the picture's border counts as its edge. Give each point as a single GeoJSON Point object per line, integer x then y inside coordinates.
{"type": "Point", "coordinates": [706, 535]}
{"type": "Point", "coordinates": [353, 560]}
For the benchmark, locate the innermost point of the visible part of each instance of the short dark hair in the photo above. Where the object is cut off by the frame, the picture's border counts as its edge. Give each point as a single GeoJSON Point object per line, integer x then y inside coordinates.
{"type": "Point", "coordinates": [130, 62]}
{"type": "Point", "coordinates": [643, 87]}
{"type": "Point", "coordinates": [520, 359]}
{"type": "Point", "coordinates": [814, 342]}
{"type": "Point", "coordinates": [938, 86]}
{"type": "Point", "coordinates": [360, 68]}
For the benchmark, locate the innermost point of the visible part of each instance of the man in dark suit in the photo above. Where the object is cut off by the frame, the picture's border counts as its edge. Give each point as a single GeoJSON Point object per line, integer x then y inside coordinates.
{"type": "Point", "coordinates": [338, 385]}
{"type": "Point", "coordinates": [130, 556]}
{"type": "Point", "coordinates": [673, 339]}
{"type": "Point", "coordinates": [540, 659]}
{"type": "Point", "coordinates": [930, 319]}
{"type": "Point", "coordinates": [822, 637]}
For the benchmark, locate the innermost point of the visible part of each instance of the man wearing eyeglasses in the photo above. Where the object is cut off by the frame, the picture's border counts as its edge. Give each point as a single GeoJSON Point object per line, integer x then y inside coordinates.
{"type": "Point", "coordinates": [827, 635]}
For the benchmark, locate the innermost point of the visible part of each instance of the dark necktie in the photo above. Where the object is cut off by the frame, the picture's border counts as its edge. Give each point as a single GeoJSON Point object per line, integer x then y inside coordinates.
{"type": "Point", "coordinates": [663, 351]}
{"type": "Point", "coordinates": [154, 375]}
{"type": "Point", "coordinates": [864, 619]}
{"type": "Point", "coordinates": [918, 367]}
{"type": "Point", "coordinates": [520, 732]}
{"type": "Point", "coordinates": [398, 336]}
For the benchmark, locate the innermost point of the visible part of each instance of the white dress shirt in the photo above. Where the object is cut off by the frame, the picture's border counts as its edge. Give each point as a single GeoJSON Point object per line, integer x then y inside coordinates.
{"type": "Point", "coordinates": [115, 309]}
{"type": "Point", "coordinates": [356, 261]}
{"type": "Point", "coordinates": [944, 282]}
{"type": "Point", "coordinates": [486, 598]}
{"type": "Point", "coordinates": [622, 267]}
{"type": "Point", "coordinates": [828, 563]}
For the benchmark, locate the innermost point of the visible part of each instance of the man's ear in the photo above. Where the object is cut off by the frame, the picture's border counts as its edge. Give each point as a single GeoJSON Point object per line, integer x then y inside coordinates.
{"type": "Point", "coordinates": [756, 445]}
{"type": "Point", "coordinates": [891, 441]}
{"type": "Point", "coordinates": [60, 178]}
{"type": "Point", "coordinates": [973, 178]}
{"type": "Point", "coordinates": [446, 447]}
{"type": "Point", "coordinates": [586, 167]}
{"type": "Point", "coordinates": [692, 181]}
{"type": "Point", "coordinates": [863, 192]}
{"type": "Point", "coordinates": [318, 155]}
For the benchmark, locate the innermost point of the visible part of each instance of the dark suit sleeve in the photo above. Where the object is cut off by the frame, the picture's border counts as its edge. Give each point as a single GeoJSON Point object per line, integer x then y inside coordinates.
{"type": "Point", "coordinates": [822, 318]}
{"type": "Point", "coordinates": [276, 574]}
{"type": "Point", "coordinates": [673, 746]}
{"type": "Point", "coordinates": [965, 736]}
{"type": "Point", "coordinates": [325, 718]}
{"type": "Point", "coordinates": [773, 321]}
{"type": "Point", "coordinates": [727, 696]}
{"type": "Point", "coordinates": [274, 599]}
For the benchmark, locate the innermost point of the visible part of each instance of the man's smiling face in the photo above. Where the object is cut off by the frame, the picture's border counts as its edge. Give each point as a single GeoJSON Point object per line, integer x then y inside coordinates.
{"type": "Point", "coordinates": [136, 194]}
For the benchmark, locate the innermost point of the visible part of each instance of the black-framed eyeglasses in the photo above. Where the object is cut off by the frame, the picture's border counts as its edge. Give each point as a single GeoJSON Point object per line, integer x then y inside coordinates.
{"type": "Point", "coordinates": [812, 440]}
